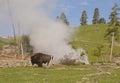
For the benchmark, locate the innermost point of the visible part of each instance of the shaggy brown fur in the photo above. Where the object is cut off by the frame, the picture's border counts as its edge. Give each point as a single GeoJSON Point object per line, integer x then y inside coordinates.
{"type": "Point", "coordinates": [40, 58]}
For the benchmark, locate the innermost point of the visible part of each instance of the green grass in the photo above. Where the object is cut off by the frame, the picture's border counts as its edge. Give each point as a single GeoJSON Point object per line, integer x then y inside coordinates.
{"type": "Point", "coordinates": [58, 74]}
{"type": "Point", "coordinates": [3, 41]}
{"type": "Point", "coordinates": [90, 37]}
{"type": "Point", "coordinates": [1, 44]}
{"type": "Point", "coordinates": [87, 37]}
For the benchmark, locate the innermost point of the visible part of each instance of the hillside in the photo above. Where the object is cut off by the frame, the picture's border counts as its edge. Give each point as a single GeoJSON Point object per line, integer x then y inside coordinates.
{"type": "Point", "coordinates": [3, 41]}
{"type": "Point", "coordinates": [90, 37]}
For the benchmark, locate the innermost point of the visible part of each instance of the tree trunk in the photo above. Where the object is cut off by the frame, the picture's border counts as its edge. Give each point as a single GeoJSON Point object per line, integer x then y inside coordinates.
{"type": "Point", "coordinates": [112, 44]}
{"type": "Point", "coordinates": [20, 42]}
{"type": "Point", "coordinates": [15, 41]}
{"type": "Point", "coordinates": [13, 26]}
{"type": "Point", "coordinates": [22, 53]}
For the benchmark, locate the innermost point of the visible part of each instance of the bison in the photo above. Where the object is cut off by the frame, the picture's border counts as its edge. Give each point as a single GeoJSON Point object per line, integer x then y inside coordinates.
{"type": "Point", "coordinates": [40, 58]}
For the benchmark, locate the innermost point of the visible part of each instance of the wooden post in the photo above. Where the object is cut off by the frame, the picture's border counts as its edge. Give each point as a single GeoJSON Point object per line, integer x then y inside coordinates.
{"type": "Point", "coordinates": [112, 44]}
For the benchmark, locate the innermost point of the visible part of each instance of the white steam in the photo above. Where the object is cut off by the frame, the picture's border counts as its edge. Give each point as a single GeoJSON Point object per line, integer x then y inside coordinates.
{"type": "Point", "coordinates": [51, 38]}
{"type": "Point", "coordinates": [46, 35]}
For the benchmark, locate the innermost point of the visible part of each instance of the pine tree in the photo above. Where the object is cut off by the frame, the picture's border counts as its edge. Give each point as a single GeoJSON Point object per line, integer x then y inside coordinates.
{"type": "Point", "coordinates": [57, 18]}
{"type": "Point", "coordinates": [113, 32]}
{"type": "Point", "coordinates": [114, 19]}
{"type": "Point", "coordinates": [96, 16]}
{"type": "Point", "coordinates": [102, 21]}
{"type": "Point", "coordinates": [62, 18]}
{"type": "Point", "coordinates": [83, 18]}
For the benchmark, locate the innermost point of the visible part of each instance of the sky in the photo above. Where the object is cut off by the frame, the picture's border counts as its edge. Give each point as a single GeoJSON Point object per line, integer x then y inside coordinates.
{"type": "Point", "coordinates": [72, 9]}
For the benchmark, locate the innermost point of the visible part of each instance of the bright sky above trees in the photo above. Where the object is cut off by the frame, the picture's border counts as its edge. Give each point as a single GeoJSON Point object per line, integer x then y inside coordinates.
{"type": "Point", "coordinates": [73, 9]}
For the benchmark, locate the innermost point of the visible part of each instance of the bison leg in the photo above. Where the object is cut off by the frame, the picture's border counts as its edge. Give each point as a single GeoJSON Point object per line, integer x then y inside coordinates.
{"type": "Point", "coordinates": [33, 63]}
{"type": "Point", "coordinates": [47, 63]}
{"type": "Point", "coordinates": [39, 64]}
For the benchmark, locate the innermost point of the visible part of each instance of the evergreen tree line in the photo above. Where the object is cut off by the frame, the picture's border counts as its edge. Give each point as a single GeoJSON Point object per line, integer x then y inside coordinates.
{"type": "Point", "coordinates": [96, 17]}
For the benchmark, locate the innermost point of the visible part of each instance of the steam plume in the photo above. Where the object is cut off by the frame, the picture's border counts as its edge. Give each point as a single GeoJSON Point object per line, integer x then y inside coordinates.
{"type": "Point", "coordinates": [46, 35]}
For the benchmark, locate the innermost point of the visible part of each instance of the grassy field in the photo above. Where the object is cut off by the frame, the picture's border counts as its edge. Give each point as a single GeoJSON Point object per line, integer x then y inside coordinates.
{"type": "Point", "coordinates": [90, 37]}
{"type": "Point", "coordinates": [87, 37]}
{"type": "Point", "coordinates": [61, 74]}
